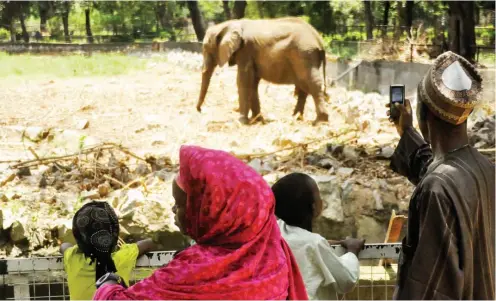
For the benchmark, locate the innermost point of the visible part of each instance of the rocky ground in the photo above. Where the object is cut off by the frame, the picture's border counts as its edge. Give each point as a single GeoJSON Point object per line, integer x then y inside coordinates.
{"type": "Point", "coordinates": [66, 141]}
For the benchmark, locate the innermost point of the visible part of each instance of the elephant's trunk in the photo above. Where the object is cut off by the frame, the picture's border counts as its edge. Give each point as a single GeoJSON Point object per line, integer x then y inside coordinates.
{"type": "Point", "coordinates": [208, 70]}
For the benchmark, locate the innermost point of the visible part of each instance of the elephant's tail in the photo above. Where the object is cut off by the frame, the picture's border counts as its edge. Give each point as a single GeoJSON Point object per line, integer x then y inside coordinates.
{"type": "Point", "coordinates": [323, 58]}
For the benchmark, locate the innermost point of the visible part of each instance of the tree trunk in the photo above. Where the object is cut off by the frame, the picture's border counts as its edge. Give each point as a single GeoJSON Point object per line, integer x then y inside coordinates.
{"type": "Point", "coordinates": [385, 16]}
{"type": "Point", "coordinates": [461, 31]}
{"type": "Point", "coordinates": [269, 8]}
{"type": "Point", "coordinates": [399, 20]}
{"type": "Point", "coordinates": [43, 23]}
{"type": "Point", "coordinates": [239, 9]}
{"type": "Point", "coordinates": [89, 35]}
{"type": "Point", "coordinates": [369, 20]}
{"type": "Point", "coordinates": [409, 17]}
{"type": "Point", "coordinates": [260, 9]}
{"type": "Point", "coordinates": [65, 21]}
{"type": "Point", "coordinates": [294, 8]}
{"type": "Point", "coordinates": [167, 17]}
{"type": "Point", "coordinates": [12, 30]}
{"type": "Point", "coordinates": [25, 34]}
{"type": "Point", "coordinates": [477, 14]}
{"type": "Point", "coordinates": [43, 11]}
{"type": "Point", "coordinates": [227, 10]}
{"type": "Point", "coordinates": [160, 13]}
{"type": "Point", "coordinates": [325, 23]}
{"type": "Point", "coordinates": [197, 19]}
{"type": "Point", "coordinates": [327, 15]}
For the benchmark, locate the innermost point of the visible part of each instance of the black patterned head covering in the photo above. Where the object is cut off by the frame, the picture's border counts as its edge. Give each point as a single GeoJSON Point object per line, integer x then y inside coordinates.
{"type": "Point", "coordinates": [96, 229]}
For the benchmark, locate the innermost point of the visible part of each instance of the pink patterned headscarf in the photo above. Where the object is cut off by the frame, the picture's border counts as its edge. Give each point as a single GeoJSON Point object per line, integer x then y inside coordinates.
{"type": "Point", "coordinates": [239, 254]}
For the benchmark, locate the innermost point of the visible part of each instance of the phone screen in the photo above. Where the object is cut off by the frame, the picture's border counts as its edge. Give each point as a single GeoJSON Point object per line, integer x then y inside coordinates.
{"type": "Point", "coordinates": [397, 95]}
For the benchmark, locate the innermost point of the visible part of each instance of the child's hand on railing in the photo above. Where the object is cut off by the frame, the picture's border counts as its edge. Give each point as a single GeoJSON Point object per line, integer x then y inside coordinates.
{"type": "Point", "coordinates": [353, 245]}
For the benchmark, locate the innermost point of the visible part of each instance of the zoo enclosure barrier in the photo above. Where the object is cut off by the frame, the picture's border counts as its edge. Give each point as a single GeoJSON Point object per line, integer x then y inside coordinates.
{"type": "Point", "coordinates": [358, 49]}
{"type": "Point", "coordinates": [43, 278]}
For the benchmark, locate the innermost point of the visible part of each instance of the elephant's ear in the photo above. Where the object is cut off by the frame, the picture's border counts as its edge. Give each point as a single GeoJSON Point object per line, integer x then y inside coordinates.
{"type": "Point", "coordinates": [229, 44]}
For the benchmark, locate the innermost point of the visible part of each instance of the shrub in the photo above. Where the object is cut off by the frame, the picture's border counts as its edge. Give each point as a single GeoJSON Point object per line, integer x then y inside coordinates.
{"type": "Point", "coordinates": [4, 34]}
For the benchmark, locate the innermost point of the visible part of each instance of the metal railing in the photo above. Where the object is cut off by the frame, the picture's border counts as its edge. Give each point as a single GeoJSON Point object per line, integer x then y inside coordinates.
{"type": "Point", "coordinates": [43, 278]}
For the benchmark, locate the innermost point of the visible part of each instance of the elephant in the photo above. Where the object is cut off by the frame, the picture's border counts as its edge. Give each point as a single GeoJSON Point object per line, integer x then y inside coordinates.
{"type": "Point", "coordinates": [282, 51]}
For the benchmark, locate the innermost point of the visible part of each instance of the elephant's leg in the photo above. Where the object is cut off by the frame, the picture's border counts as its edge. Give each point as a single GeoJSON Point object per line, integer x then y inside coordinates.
{"type": "Point", "coordinates": [255, 102]}
{"type": "Point", "coordinates": [245, 82]}
{"type": "Point", "coordinates": [295, 93]}
{"type": "Point", "coordinates": [315, 89]}
{"type": "Point", "coordinates": [300, 104]}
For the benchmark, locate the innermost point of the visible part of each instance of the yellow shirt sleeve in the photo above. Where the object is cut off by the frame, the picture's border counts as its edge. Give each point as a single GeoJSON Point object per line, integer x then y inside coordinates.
{"type": "Point", "coordinates": [80, 275]}
{"type": "Point", "coordinates": [68, 255]}
{"type": "Point", "coordinates": [125, 260]}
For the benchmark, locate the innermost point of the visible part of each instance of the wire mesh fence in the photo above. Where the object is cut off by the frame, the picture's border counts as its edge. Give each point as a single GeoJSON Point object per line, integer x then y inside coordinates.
{"type": "Point", "coordinates": [409, 52]}
{"type": "Point", "coordinates": [43, 278]}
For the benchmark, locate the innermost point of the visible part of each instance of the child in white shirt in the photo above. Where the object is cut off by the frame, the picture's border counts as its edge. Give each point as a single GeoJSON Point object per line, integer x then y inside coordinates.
{"type": "Point", "coordinates": [298, 203]}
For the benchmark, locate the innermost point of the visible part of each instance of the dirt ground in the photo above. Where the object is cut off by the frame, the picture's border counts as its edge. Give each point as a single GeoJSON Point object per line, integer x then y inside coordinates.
{"type": "Point", "coordinates": [154, 111]}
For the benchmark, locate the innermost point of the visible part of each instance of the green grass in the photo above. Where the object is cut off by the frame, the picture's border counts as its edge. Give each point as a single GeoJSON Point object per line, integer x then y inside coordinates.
{"type": "Point", "coordinates": [63, 66]}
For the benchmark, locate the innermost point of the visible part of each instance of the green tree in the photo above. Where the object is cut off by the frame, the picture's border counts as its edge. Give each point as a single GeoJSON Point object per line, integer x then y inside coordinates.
{"type": "Point", "coordinates": [369, 20]}
{"type": "Point", "coordinates": [239, 9]}
{"type": "Point", "coordinates": [227, 9]}
{"type": "Point", "coordinates": [87, 6]}
{"type": "Point", "coordinates": [63, 9]}
{"type": "Point", "coordinates": [409, 16]}
{"type": "Point", "coordinates": [46, 11]}
{"type": "Point", "coordinates": [461, 32]}
{"type": "Point", "coordinates": [385, 17]}
{"type": "Point", "coordinates": [196, 19]}
{"type": "Point", "coordinates": [165, 15]}
{"type": "Point", "coordinates": [23, 12]}
{"type": "Point", "coordinates": [11, 10]}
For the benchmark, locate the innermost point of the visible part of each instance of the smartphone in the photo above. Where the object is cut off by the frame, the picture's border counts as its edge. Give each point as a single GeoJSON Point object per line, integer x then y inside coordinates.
{"type": "Point", "coordinates": [396, 95]}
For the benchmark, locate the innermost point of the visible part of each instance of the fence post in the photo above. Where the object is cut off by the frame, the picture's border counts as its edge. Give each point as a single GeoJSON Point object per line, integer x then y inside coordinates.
{"type": "Point", "coordinates": [21, 287]}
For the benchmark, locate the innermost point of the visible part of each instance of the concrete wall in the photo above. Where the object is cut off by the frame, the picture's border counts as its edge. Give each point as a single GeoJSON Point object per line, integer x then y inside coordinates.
{"type": "Point", "coordinates": [187, 46]}
{"type": "Point", "coordinates": [376, 76]}
{"type": "Point", "coordinates": [50, 48]}
{"type": "Point", "coordinates": [58, 48]}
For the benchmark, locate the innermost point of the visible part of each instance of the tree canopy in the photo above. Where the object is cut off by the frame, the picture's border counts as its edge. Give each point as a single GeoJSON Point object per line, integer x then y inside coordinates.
{"type": "Point", "coordinates": [353, 20]}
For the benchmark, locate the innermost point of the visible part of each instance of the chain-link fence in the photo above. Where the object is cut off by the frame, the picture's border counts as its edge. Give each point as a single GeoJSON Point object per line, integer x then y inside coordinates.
{"type": "Point", "coordinates": [43, 278]}
{"type": "Point", "coordinates": [408, 52]}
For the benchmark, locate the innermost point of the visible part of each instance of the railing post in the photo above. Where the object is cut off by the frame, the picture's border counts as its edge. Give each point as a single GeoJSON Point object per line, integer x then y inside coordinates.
{"type": "Point", "coordinates": [21, 288]}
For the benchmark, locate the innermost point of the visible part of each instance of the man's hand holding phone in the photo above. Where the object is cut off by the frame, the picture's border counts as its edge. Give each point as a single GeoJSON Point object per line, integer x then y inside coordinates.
{"type": "Point", "coordinates": [405, 119]}
{"type": "Point", "coordinates": [400, 110]}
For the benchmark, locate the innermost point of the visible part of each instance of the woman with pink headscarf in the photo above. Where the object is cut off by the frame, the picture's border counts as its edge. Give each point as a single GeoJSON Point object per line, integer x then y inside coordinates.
{"type": "Point", "coordinates": [228, 209]}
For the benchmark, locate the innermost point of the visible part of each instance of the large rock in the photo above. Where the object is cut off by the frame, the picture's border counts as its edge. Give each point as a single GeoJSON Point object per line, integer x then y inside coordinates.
{"type": "Point", "coordinates": [64, 231]}
{"type": "Point", "coordinates": [262, 167]}
{"type": "Point", "coordinates": [482, 134]}
{"type": "Point", "coordinates": [4, 199]}
{"type": "Point", "coordinates": [332, 223]}
{"type": "Point", "coordinates": [18, 232]}
{"type": "Point", "coordinates": [330, 191]}
{"type": "Point", "coordinates": [370, 229]}
{"type": "Point", "coordinates": [150, 216]}
{"type": "Point", "coordinates": [36, 133]}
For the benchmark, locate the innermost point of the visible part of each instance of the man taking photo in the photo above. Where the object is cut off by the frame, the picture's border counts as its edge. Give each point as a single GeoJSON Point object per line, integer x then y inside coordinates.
{"type": "Point", "coordinates": [448, 252]}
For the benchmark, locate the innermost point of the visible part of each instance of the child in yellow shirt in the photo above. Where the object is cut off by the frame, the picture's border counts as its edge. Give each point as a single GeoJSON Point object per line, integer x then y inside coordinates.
{"type": "Point", "coordinates": [96, 230]}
